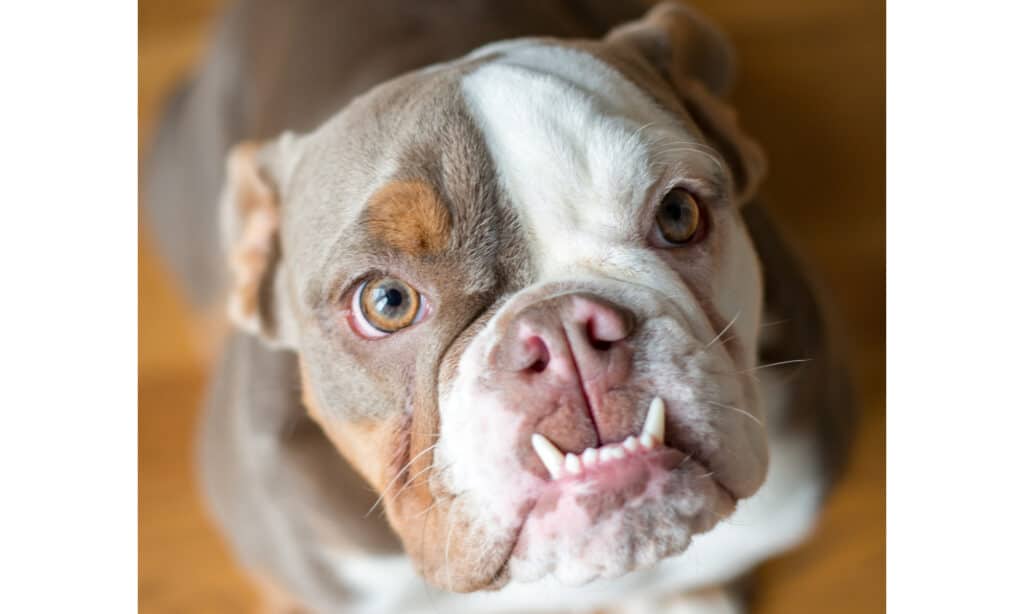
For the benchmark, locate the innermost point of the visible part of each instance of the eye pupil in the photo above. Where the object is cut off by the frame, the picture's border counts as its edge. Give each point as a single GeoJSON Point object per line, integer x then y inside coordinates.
{"type": "Point", "coordinates": [674, 211]}
{"type": "Point", "coordinates": [393, 297]}
{"type": "Point", "coordinates": [388, 299]}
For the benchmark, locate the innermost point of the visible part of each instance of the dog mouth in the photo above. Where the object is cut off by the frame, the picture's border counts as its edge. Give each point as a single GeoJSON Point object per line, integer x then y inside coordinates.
{"type": "Point", "coordinates": [600, 466]}
{"type": "Point", "coordinates": [605, 458]}
{"type": "Point", "coordinates": [616, 497]}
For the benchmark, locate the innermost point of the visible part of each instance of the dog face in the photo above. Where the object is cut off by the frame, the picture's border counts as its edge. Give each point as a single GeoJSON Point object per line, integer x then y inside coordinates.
{"type": "Point", "coordinates": [523, 298]}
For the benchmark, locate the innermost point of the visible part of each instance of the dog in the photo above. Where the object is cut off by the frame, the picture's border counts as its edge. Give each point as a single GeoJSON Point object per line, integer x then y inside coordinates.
{"type": "Point", "coordinates": [512, 332]}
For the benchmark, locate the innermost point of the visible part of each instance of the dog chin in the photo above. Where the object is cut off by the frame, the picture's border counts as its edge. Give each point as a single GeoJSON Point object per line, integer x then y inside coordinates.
{"type": "Point", "coordinates": [617, 520]}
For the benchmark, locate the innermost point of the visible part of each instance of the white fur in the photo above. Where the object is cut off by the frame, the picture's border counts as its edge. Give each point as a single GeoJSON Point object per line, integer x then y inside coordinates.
{"type": "Point", "coordinates": [568, 137]}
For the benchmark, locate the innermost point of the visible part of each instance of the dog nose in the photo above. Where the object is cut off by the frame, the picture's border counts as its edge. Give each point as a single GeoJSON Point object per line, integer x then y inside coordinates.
{"type": "Point", "coordinates": [565, 337]}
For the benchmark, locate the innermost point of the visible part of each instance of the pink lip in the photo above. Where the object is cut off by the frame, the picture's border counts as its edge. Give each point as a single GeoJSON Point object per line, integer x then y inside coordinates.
{"type": "Point", "coordinates": [620, 480]}
{"type": "Point", "coordinates": [576, 503]}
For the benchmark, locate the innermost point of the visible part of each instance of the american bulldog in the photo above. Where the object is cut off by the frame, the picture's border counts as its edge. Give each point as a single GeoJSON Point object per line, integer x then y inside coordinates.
{"type": "Point", "coordinates": [511, 332]}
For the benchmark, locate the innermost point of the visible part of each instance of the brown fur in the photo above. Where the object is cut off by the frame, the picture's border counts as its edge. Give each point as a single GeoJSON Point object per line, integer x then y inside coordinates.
{"type": "Point", "coordinates": [408, 215]}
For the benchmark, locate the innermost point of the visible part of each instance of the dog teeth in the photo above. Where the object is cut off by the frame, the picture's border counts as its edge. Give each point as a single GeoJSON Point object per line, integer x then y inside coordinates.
{"type": "Point", "coordinates": [572, 464]}
{"type": "Point", "coordinates": [654, 424]}
{"type": "Point", "coordinates": [550, 455]}
{"type": "Point", "coordinates": [558, 464]}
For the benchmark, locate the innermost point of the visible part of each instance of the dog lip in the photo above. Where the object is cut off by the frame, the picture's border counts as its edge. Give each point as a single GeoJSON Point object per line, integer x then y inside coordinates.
{"type": "Point", "coordinates": [665, 457]}
{"type": "Point", "coordinates": [602, 466]}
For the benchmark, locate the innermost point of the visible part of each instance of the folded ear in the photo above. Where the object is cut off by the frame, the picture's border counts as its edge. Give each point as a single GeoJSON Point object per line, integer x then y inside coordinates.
{"type": "Point", "coordinates": [696, 60]}
{"type": "Point", "coordinates": [251, 222]}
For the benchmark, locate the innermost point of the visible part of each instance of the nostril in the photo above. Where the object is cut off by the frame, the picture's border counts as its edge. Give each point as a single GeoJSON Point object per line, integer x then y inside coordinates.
{"type": "Point", "coordinates": [539, 351]}
{"type": "Point", "coordinates": [596, 342]}
{"type": "Point", "coordinates": [604, 324]}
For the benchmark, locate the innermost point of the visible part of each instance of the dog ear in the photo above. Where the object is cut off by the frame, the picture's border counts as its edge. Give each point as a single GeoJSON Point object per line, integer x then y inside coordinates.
{"type": "Point", "coordinates": [696, 60]}
{"type": "Point", "coordinates": [250, 224]}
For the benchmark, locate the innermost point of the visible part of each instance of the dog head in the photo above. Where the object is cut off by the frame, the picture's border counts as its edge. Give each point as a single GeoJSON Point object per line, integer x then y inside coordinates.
{"type": "Point", "coordinates": [523, 298]}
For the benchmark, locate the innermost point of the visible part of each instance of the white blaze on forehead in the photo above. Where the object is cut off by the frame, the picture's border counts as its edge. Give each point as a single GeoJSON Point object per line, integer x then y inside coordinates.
{"type": "Point", "coordinates": [578, 149]}
{"type": "Point", "coordinates": [574, 144]}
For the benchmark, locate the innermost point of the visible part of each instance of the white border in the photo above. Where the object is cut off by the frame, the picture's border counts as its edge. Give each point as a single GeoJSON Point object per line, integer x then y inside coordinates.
{"type": "Point", "coordinates": [68, 452]}
{"type": "Point", "coordinates": [955, 229]}
{"type": "Point", "coordinates": [68, 457]}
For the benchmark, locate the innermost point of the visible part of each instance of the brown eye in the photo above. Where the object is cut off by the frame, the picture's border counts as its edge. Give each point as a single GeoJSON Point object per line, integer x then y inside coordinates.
{"type": "Point", "coordinates": [388, 304]}
{"type": "Point", "coordinates": [678, 217]}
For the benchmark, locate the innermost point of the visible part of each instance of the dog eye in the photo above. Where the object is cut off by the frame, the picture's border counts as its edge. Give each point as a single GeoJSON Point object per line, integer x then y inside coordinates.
{"type": "Point", "coordinates": [385, 305]}
{"type": "Point", "coordinates": [679, 217]}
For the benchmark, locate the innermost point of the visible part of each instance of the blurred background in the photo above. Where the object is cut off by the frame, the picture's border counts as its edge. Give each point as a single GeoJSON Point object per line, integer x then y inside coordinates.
{"type": "Point", "coordinates": [811, 90]}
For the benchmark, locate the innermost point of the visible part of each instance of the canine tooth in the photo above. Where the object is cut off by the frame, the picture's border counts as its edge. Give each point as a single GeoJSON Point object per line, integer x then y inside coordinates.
{"type": "Point", "coordinates": [618, 453]}
{"type": "Point", "coordinates": [605, 454]}
{"type": "Point", "coordinates": [654, 424]}
{"type": "Point", "coordinates": [550, 455]}
{"type": "Point", "coordinates": [647, 441]}
{"type": "Point", "coordinates": [589, 456]}
{"type": "Point", "coordinates": [631, 444]}
{"type": "Point", "coordinates": [572, 463]}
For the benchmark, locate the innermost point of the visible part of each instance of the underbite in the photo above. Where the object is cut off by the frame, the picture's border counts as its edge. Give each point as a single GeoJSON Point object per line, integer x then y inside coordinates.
{"type": "Point", "coordinates": [570, 467]}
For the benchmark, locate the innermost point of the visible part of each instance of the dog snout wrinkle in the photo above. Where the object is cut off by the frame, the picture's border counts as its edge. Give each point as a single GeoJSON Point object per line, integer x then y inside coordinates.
{"type": "Point", "coordinates": [560, 356]}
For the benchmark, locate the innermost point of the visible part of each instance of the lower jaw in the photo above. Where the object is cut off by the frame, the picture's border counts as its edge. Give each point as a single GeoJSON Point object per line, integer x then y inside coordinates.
{"type": "Point", "coordinates": [581, 529]}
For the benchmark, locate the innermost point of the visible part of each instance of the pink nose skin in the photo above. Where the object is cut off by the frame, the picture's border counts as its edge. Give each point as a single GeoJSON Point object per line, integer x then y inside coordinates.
{"type": "Point", "coordinates": [558, 359]}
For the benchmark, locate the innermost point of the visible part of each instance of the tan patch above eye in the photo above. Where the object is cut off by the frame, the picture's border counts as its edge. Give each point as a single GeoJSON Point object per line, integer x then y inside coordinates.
{"type": "Point", "coordinates": [409, 215]}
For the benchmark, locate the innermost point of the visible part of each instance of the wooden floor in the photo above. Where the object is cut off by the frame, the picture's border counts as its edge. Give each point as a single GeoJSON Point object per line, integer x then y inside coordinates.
{"type": "Point", "coordinates": [811, 90]}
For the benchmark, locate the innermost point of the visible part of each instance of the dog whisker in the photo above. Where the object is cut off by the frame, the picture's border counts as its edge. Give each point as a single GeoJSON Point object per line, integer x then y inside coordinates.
{"type": "Point", "coordinates": [429, 508]}
{"type": "Point", "coordinates": [774, 364]}
{"type": "Point", "coordinates": [780, 363]}
{"type": "Point", "coordinates": [739, 410]}
{"type": "Point", "coordinates": [411, 481]}
{"type": "Point", "coordinates": [723, 331]}
{"type": "Point", "coordinates": [398, 474]}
